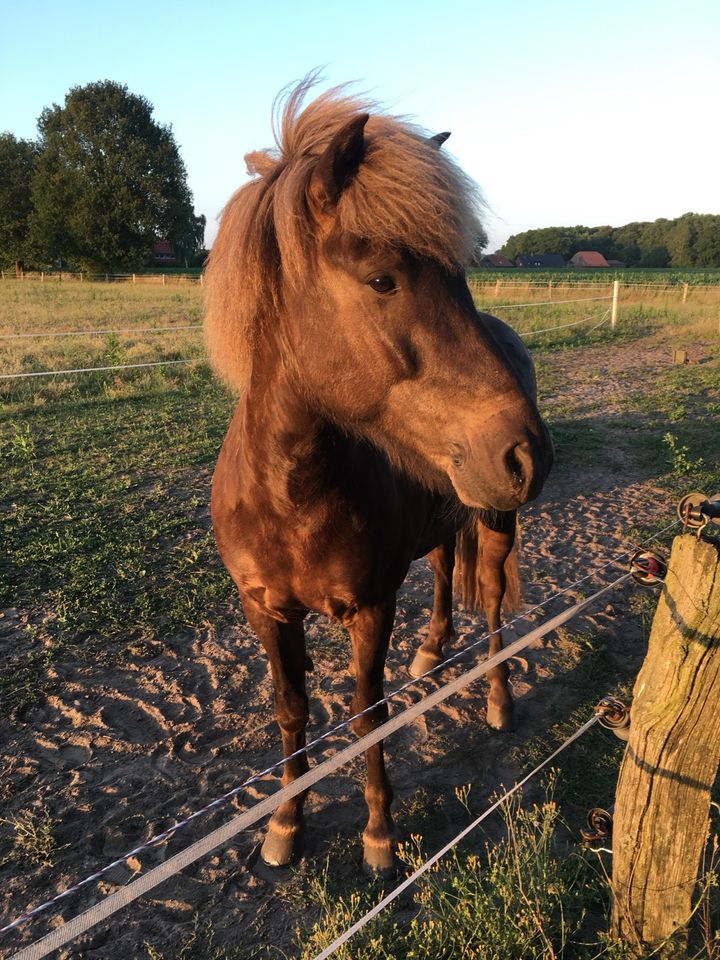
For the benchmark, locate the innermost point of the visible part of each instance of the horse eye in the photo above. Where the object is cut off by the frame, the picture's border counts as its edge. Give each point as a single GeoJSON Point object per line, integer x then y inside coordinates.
{"type": "Point", "coordinates": [382, 284]}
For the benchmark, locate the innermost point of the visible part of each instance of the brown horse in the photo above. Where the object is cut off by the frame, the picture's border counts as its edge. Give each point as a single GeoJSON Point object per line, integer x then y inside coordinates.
{"type": "Point", "coordinates": [380, 413]}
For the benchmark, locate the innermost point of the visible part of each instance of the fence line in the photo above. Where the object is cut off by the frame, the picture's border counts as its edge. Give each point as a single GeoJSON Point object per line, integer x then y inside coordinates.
{"type": "Point", "coordinates": [94, 333]}
{"type": "Point", "coordinates": [115, 901]}
{"type": "Point", "coordinates": [66, 276]}
{"type": "Point", "coordinates": [563, 326]}
{"type": "Point", "coordinates": [409, 881]}
{"type": "Point", "coordinates": [459, 655]}
{"type": "Point", "coordinates": [547, 303]}
{"type": "Point", "coordinates": [119, 366]}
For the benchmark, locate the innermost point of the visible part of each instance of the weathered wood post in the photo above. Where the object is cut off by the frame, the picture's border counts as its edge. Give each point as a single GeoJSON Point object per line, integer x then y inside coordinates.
{"type": "Point", "coordinates": [672, 757]}
{"type": "Point", "coordinates": [497, 288]}
{"type": "Point", "coordinates": [615, 297]}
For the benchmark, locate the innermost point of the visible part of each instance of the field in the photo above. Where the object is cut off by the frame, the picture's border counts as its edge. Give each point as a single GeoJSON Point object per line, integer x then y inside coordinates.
{"type": "Point", "coordinates": [132, 692]}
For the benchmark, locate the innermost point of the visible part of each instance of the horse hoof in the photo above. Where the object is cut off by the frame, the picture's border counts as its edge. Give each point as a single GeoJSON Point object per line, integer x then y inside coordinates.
{"type": "Point", "coordinates": [281, 846]}
{"type": "Point", "coordinates": [500, 718]}
{"type": "Point", "coordinates": [379, 859]}
{"type": "Point", "coordinates": [423, 662]}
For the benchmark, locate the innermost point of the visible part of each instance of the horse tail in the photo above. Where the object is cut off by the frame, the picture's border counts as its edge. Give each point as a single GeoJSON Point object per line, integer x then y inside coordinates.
{"type": "Point", "coordinates": [499, 529]}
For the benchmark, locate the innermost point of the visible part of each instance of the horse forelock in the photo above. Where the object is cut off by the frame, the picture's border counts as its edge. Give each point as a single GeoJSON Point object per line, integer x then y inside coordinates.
{"type": "Point", "coordinates": [405, 194]}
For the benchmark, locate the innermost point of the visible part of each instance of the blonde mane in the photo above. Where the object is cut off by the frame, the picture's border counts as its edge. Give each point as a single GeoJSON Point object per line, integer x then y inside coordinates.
{"type": "Point", "coordinates": [406, 194]}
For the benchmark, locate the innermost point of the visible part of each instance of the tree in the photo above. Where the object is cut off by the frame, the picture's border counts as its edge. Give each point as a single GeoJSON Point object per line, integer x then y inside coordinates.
{"type": "Point", "coordinates": [109, 182]}
{"type": "Point", "coordinates": [17, 158]}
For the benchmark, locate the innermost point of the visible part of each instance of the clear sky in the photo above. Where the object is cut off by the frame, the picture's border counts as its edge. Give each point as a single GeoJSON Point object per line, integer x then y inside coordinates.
{"type": "Point", "coordinates": [565, 112]}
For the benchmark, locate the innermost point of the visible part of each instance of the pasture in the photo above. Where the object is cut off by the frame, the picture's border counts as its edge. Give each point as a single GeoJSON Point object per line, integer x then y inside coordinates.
{"type": "Point", "coordinates": [132, 692]}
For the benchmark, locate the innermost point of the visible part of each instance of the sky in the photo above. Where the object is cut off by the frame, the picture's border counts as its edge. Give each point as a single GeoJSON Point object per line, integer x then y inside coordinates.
{"type": "Point", "coordinates": [564, 113]}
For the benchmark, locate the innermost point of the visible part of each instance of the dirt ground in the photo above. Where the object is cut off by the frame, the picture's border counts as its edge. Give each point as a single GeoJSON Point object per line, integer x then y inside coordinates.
{"type": "Point", "coordinates": [119, 754]}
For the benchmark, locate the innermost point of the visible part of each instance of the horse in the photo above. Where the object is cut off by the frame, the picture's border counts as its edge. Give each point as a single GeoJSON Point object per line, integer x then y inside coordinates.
{"type": "Point", "coordinates": [381, 417]}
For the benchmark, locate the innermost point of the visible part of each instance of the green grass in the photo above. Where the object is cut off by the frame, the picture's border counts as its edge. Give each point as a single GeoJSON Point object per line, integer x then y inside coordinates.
{"type": "Point", "coordinates": [106, 530]}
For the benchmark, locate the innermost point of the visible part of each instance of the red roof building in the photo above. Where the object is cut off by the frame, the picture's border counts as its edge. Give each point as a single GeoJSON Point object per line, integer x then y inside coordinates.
{"type": "Point", "coordinates": [164, 252]}
{"type": "Point", "coordinates": [588, 258]}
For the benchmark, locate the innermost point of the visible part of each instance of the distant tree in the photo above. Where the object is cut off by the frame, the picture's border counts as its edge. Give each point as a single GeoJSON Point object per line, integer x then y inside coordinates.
{"type": "Point", "coordinates": [657, 256]}
{"type": "Point", "coordinates": [17, 159]}
{"type": "Point", "coordinates": [680, 241]}
{"type": "Point", "coordinates": [692, 240]}
{"type": "Point", "coordinates": [707, 241]}
{"type": "Point", "coordinates": [109, 181]}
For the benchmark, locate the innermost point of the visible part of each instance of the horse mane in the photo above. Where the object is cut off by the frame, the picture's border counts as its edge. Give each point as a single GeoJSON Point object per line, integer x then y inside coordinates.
{"type": "Point", "coordinates": [406, 194]}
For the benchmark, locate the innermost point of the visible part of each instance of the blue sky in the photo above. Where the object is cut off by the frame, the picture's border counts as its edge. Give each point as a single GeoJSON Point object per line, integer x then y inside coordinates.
{"type": "Point", "coordinates": [565, 113]}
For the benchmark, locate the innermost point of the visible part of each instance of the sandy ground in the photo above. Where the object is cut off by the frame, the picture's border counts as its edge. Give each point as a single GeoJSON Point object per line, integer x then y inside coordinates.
{"type": "Point", "coordinates": [121, 753]}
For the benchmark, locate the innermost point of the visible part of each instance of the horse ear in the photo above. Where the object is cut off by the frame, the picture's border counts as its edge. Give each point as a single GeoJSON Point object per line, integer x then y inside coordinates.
{"type": "Point", "coordinates": [339, 163]}
{"type": "Point", "coordinates": [439, 139]}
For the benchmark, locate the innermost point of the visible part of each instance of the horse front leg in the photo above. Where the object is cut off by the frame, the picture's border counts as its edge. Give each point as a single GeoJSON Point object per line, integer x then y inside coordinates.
{"type": "Point", "coordinates": [496, 545]}
{"type": "Point", "coordinates": [285, 647]}
{"type": "Point", "coordinates": [370, 633]}
{"type": "Point", "coordinates": [430, 653]}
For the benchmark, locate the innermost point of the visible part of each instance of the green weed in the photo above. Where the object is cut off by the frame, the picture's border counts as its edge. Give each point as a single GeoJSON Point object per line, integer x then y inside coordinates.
{"type": "Point", "coordinates": [33, 838]}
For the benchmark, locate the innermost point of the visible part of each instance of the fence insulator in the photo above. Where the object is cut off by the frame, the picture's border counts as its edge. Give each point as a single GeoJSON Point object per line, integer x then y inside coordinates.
{"type": "Point", "coordinates": [599, 826]}
{"type": "Point", "coordinates": [615, 716]}
{"type": "Point", "coordinates": [696, 511]}
{"type": "Point", "coordinates": [647, 567]}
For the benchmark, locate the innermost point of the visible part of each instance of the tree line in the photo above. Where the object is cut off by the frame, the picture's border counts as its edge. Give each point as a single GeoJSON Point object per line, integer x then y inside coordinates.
{"type": "Point", "coordinates": [692, 240]}
{"type": "Point", "coordinates": [98, 188]}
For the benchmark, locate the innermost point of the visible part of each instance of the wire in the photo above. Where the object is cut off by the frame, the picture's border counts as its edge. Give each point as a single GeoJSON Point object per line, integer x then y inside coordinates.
{"type": "Point", "coordinates": [121, 366]}
{"type": "Point", "coordinates": [94, 333]}
{"type": "Point", "coordinates": [562, 326]}
{"type": "Point", "coordinates": [546, 303]}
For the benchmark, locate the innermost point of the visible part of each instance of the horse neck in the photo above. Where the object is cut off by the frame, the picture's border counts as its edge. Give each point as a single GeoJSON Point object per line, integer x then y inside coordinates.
{"type": "Point", "coordinates": [282, 441]}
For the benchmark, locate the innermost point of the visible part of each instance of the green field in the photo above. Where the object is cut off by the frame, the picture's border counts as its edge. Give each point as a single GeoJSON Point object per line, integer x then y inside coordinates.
{"type": "Point", "coordinates": [109, 562]}
{"type": "Point", "coordinates": [632, 275]}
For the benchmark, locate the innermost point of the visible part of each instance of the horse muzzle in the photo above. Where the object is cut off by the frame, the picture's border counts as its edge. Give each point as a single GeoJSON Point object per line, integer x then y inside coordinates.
{"type": "Point", "coordinates": [504, 466]}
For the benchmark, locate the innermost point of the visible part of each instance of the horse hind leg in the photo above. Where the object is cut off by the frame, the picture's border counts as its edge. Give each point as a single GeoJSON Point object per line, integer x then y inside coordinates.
{"type": "Point", "coordinates": [285, 647]}
{"type": "Point", "coordinates": [370, 632]}
{"type": "Point", "coordinates": [430, 653]}
{"type": "Point", "coordinates": [495, 548]}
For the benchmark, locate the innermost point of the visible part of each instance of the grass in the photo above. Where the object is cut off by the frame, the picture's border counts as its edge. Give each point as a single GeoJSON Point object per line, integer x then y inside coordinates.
{"type": "Point", "coordinates": [108, 548]}
{"type": "Point", "coordinates": [105, 525]}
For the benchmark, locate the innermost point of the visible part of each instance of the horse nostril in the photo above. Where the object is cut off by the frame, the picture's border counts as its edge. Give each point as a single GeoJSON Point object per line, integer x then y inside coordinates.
{"type": "Point", "coordinates": [520, 464]}
{"type": "Point", "coordinates": [514, 467]}
{"type": "Point", "coordinates": [458, 455]}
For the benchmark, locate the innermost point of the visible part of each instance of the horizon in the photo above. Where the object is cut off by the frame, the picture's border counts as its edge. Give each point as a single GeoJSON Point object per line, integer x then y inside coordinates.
{"type": "Point", "coordinates": [564, 117]}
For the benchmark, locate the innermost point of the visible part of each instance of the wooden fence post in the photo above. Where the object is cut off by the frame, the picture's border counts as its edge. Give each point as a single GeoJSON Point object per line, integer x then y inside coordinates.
{"type": "Point", "coordinates": [497, 288]}
{"type": "Point", "coordinates": [614, 311]}
{"type": "Point", "coordinates": [686, 287]}
{"type": "Point", "coordinates": [671, 761]}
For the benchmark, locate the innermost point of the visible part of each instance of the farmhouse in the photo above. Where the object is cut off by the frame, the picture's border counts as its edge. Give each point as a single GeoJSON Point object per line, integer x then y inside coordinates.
{"type": "Point", "coordinates": [495, 260]}
{"type": "Point", "coordinates": [588, 258]}
{"type": "Point", "coordinates": [544, 260]}
{"type": "Point", "coordinates": [164, 253]}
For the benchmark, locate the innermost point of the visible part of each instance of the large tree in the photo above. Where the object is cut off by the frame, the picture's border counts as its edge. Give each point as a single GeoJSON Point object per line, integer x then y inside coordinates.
{"type": "Point", "coordinates": [109, 181]}
{"type": "Point", "coordinates": [17, 158]}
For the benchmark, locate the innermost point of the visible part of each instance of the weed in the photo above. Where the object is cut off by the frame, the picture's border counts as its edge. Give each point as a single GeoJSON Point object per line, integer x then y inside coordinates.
{"type": "Point", "coordinates": [519, 898]}
{"type": "Point", "coordinates": [33, 838]}
{"type": "Point", "coordinates": [21, 445]}
{"type": "Point", "coordinates": [200, 945]}
{"type": "Point", "coordinates": [680, 462]}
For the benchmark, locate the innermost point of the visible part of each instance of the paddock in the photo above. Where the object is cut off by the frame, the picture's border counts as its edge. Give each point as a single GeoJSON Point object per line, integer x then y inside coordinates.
{"type": "Point", "coordinates": [133, 692]}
